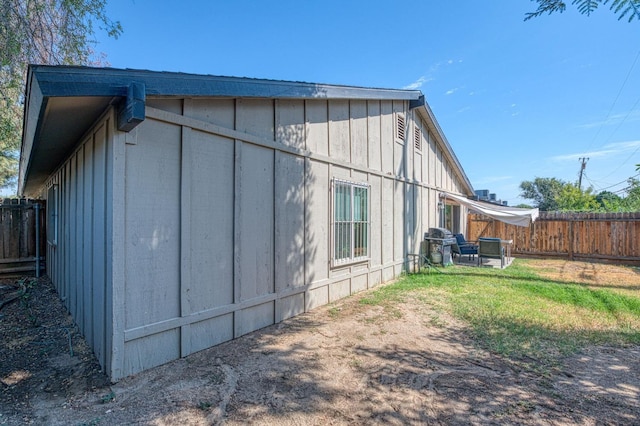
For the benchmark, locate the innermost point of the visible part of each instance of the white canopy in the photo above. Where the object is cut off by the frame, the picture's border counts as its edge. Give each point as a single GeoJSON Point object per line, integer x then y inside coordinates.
{"type": "Point", "coordinates": [512, 215]}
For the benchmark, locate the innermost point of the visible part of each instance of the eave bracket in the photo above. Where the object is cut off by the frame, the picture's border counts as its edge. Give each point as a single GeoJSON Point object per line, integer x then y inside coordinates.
{"type": "Point", "coordinates": [132, 111]}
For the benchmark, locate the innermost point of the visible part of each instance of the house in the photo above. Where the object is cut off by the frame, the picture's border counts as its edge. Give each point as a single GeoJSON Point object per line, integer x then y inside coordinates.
{"type": "Point", "coordinates": [187, 210]}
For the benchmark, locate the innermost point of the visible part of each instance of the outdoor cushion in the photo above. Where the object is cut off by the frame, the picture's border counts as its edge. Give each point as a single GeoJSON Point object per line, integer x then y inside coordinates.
{"type": "Point", "coordinates": [462, 242]}
{"type": "Point", "coordinates": [491, 248]}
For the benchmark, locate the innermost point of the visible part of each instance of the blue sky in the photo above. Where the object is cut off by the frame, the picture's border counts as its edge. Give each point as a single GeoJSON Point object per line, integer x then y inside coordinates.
{"type": "Point", "coordinates": [516, 100]}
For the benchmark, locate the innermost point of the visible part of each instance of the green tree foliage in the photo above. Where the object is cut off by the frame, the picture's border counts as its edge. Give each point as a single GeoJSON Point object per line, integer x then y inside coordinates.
{"type": "Point", "coordinates": [612, 202]}
{"type": "Point", "coordinates": [629, 9]}
{"type": "Point", "coordinates": [609, 201]}
{"type": "Point", "coordinates": [632, 200]}
{"type": "Point", "coordinates": [40, 32]}
{"type": "Point", "coordinates": [551, 194]}
{"type": "Point", "coordinates": [571, 198]}
{"type": "Point", "coordinates": [543, 192]}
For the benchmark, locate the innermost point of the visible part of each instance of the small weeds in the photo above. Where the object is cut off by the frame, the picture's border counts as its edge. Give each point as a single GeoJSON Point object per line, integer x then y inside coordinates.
{"type": "Point", "coordinates": [108, 397]}
{"type": "Point", "coordinates": [356, 363]}
{"type": "Point", "coordinates": [334, 312]}
{"type": "Point", "coordinates": [204, 405]}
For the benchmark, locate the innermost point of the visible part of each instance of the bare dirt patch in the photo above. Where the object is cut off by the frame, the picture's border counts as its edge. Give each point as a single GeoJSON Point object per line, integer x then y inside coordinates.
{"type": "Point", "coordinates": [623, 279]}
{"type": "Point", "coordinates": [346, 363]}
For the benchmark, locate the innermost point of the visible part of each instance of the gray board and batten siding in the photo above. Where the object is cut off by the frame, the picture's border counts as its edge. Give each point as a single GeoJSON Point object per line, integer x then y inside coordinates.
{"type": "Point", "coordinates": [211, 216]}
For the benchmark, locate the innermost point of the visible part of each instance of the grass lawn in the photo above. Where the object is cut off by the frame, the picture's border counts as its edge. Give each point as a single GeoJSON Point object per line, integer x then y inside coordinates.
{"type": "Point", "coordinates": [518, 313]}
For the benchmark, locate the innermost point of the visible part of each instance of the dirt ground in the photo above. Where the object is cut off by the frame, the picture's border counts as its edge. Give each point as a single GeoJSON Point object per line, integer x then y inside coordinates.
{"type": "Point", "coordinates": [345, 363]}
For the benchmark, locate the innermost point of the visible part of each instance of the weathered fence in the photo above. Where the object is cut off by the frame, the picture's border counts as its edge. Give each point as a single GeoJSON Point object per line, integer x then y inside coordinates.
{"type": "Point", "coordinates": [20, 241]}
{"type": "Point", "coordinates": [612, 237]}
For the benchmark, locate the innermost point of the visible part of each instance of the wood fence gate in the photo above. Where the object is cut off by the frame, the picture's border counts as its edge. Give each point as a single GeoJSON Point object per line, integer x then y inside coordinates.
{"type": "Point", "coordinates": [611, 237]}
{"type": "Point", "coordinates": [22, 236]}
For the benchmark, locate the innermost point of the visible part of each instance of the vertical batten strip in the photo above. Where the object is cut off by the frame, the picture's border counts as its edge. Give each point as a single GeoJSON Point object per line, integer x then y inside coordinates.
{"type": "Point", "coordinates": [237, 271]}
{"type": "Point", "coordinates": [185, 239]}
{"type": "Point", "coordinates": [107, 234]}
{"type": "Point", "coordinates": [118, 253]}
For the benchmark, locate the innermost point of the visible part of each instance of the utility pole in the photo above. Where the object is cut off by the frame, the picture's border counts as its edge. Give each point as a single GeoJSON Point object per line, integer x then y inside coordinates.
{"type": "Point", "coordinates": [583, 165]}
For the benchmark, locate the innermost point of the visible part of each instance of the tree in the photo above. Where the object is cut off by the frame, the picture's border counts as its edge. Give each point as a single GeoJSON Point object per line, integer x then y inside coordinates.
{"type": "Point", "coordinates": [543, 191]}
{"type": "Point", "coordinates": [51, 32]}
{"type": "Point", "coordinates": [623, 8]}
{"type": "Point", "coordinates": [610, 201]}
{"type": "Point", "coordinates": [572, 198]}
{"type": "Point", "coordinates": [632, 200]}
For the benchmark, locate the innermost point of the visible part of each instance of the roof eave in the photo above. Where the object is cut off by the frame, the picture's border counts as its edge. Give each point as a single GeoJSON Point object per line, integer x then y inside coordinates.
{"type": "Point", "coordinates": [100, 88]}
{"type": "Point", "coordinates": [86, 81]}
{"type": "Point", "coordinates": [428, 115]}
{"type": "Point", "coordinates": [34, 108]}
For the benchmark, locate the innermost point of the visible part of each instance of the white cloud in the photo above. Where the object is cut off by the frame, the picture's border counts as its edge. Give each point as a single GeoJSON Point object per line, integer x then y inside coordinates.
{"type": "Point", "coordinates": [418, 83]}
{"type": "Point", "coordinates": [433, 69]}
{"type": "Point", "coordinates": [608, 150]}
{"type": "Point", "coordinates": [613, 119]}
{"type": "Point", "coordinates": [452, 91]}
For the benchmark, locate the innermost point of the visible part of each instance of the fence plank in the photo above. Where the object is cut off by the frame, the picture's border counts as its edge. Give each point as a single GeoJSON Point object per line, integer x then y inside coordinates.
{"type": "Point", "coordinates": [18, 235]}
{"type": "Point", "coordinates": [585, 236]}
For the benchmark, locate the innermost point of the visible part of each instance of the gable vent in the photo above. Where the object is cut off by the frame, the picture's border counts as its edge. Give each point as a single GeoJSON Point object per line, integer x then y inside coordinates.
{"type": "Point", "coordinates": [400, 127]}
{"type": "Point", "coordinates": [417, 138]}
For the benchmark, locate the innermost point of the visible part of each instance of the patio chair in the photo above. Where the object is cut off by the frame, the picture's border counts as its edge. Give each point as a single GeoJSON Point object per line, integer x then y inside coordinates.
{"type": "Point", "coordinates": [463, 247]}
{"type": "Point", "coordinates": [490, 248]}
{"type": "Point", "coordinates": [462, 242]}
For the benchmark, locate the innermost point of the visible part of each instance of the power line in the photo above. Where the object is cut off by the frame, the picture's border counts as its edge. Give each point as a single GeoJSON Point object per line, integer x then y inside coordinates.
{"type": "Point", "coordinates": [615, 101]}
{"type": "Point", "coordinates": [616, 184]}
{"type": "Point", "coordinates": [629, 157]}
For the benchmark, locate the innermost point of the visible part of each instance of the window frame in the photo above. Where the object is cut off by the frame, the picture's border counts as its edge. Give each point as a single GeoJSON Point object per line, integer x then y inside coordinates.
{"type": "Point", "coordinates": [350, 224]}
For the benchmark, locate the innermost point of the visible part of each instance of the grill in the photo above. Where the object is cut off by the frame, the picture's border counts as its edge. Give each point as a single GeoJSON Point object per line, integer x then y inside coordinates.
{"type": "Point", "coordinates": [440, 242]}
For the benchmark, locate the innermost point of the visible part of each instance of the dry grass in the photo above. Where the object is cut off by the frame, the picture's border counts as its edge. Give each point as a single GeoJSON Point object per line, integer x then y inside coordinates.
{"type": "Point", "coordinates": [542, 309]}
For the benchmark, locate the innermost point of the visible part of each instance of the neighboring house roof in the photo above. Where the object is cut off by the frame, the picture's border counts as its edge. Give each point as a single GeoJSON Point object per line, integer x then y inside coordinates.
{"type": "Point", "coordinates": [62, 102]}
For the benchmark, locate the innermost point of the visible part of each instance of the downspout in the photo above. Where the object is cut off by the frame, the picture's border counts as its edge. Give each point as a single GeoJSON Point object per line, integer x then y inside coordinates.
{"type": "Point", "coordinates": [36, 207]}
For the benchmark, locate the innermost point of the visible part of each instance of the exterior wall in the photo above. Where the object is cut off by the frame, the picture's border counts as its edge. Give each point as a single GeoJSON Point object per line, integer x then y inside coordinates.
{"type": "Point", "coordinates": [227, 213]}
{"type": "Point", "coordinates": [212, 218]}
{"type": "Point", "coordinates": [79, 262]}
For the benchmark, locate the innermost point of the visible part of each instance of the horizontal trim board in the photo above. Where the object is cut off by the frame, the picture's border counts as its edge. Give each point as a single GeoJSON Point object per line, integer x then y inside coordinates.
{"type": "Point", "coordinates": [162, 326]}
{"type": "Point", "coordinates": [158, 327]}
{"type": "Point", "coordinates": [21, 260]}
{"type": "Point", "coordinates": [21, 269]}
{"type": "Point", "coordinates": [180, 120]}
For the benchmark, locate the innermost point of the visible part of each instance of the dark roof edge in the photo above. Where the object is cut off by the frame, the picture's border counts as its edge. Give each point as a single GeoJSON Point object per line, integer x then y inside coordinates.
{"type": "Point", "coordinates": [31, 120]}
{"type": "Point", "coordinates": [426, 110]}
{"type": "Point", "coordinates": [89, 81]}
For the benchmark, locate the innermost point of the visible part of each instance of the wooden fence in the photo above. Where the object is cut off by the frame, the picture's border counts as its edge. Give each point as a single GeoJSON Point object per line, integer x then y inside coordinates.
{"type": "Point", "coordinates": [611, 237]}
{"type": "Point", "coordinates": [18, 236]}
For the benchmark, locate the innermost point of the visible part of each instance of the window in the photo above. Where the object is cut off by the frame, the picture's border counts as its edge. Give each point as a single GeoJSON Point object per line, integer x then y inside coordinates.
{"type": "Point", "coordinates": [350, 222]}
{"type": "Point", "coordinates": [452, 218]}
{"type": "Point", "coordinates": [52, 214]}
